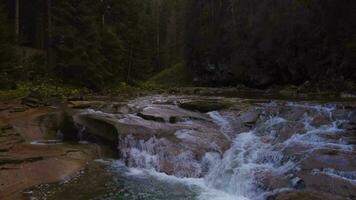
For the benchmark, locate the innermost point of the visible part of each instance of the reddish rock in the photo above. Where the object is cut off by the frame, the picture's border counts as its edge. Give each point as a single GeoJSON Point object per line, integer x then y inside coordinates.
{"type": "Point", "coordinates": [320, 120]}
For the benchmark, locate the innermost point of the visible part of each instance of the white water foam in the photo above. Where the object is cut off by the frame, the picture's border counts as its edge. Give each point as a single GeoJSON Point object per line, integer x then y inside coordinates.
{"type": "Point", "coordinates": [224, 124]}
{"type": "Point", "coordinates": [236, 174]}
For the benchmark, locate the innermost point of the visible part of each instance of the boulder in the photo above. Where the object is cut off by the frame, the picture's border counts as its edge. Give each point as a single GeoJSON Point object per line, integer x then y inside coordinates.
{"type": "Point", "coordinates": [328, 183]}
{"type": "Point", "coordinates": [320, 120]}
{"type": "Point", "coordinates": [330, 158]}
{"type": "Point", "coordinates": [169, 113]}
{"type": "Point", "coordinates": [84, 104]}
{"type": "Point", "coordinates": [303, 195]}
{"type": "Point", "coordinates": [205, 106]}
{"type": "Point", "coordinates": [249, 117]}
{"type": "Point", "coordinates": [288, 129]}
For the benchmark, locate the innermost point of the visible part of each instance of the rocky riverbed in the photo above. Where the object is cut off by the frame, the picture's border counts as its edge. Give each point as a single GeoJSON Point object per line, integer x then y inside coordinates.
{"type": "Point", "coordinates": [183, 147]}
{"type": "Point", "coordinates": [29, 152]}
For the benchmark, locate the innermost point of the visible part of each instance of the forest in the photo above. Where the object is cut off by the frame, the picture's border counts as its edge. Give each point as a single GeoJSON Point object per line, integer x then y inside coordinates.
{"type": "Point", "coordinates": [177, 99]}
{"type": "Point", "coordinates": [98, 44]}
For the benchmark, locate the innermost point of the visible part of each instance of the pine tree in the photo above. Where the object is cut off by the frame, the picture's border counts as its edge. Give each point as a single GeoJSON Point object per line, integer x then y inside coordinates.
{"type": "Point", "coordinates": [77, 43]}
{"type": "Point", "coordinates": [8, 70]}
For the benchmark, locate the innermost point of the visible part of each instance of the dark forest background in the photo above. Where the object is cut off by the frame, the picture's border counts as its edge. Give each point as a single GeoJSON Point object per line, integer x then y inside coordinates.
{"type": "Point", "coordinates": [101, 43]}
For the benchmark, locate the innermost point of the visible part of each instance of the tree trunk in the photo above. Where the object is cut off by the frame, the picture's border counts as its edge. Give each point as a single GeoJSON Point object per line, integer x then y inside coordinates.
{"type": "Point", "coordinates": [17, 20]}
{"type": "Point", "coordinates": [49, 34]}
{"type": "Point", "coordinates": [158, 33]}
{"type": "Point", "coordinates": [129, 66]}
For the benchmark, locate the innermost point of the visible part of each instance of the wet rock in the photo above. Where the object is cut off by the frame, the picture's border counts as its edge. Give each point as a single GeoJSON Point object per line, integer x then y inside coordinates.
{"type": "Point", "coordinates": [297, 183]}
{"type": "Point", "coordinates": [99, 129]}
{"type": "Point", "coordinates": [32, 102]}
{"type": "Point", "coordinates": [18, 109]}
{"type": "Point", "coordinates": [352, 118]}
{"type": "Point", "coordinates": [84, 104]}
{"type": "Point", "coordinates": [206, 105]}
{"type": "Point", "coordinates": [5, 127]}
{"type": "Point", "coordinates": [125, 109]}
{"type": "Point", "coordinates": [327, 183]}
{"type": "Point", "coordinates": [76, 98]}
{"type": "Point", "coordinates": [288, 129]}
{"type": "Point", "coordinates": [67, 128]}
{"type": "Point", "coordinates": [180, 138]}
{"type": "Point", "coordinates": [168, 113]}
{"type": "Point", "coordinates": [151, 117]}
{"type": "Point", "coordinates": [330, 158]}
{"type": "Point", "coordinates": [271, 181]}
{"type": "Point", "coordinates": [352, 123]}
{"type": "Point", "coordinates": [7, 161]}
{"type": "Point", "coordinates": [294, 195]}
{"type": "Point", "coordinates": [9, 141]}
{"type": "Point", "coordinates": [320, 120]}
{"type": "Point", "coordinates": [249, 117]}
{"type": "Point", "coordinates": [4, 107]}
{"type": "Point", "coordinates": [293, 113]}
{"type": "Point", "coordinates": [115, 108]}
{"type": "Point", "coordinates": [76, 154]}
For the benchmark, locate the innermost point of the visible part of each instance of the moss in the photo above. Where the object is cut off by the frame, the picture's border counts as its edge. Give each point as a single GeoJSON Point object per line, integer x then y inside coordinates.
{"type": "Point", "coordinates": [175, 76]}
{"type": "Point", "coordinates": [206, 106]}
{"type": "Point", "coordinates": [43, 90]}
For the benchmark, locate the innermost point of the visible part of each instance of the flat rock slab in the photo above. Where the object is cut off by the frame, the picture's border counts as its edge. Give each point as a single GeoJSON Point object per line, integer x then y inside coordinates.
{"type": "Point", "coordinates": [205, 106]}
{"type": "Point", "coordinates": [169, 113]}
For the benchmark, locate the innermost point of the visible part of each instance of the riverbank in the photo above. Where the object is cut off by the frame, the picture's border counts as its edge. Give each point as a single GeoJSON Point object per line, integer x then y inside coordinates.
{"type": "Point", "coordinates": [28, 154]}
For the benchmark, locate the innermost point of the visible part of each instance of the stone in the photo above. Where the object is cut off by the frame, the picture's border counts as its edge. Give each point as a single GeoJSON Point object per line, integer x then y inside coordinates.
{"type": "Point", "coordinates": [7, 161]}
{"type": "Point", "coordinates": [5, 127]}
{"type": "Point", "coordinates": [320, 120]}
{"type": "Point", "coordinates": [84, 104]}
{"type": "Point", "coordinates": [249, 117]}
{"type": "Point", "coordinates": [303, 195]}
{"type": "Point", "coordinates": [288, 129]}
{"type": "Point", "coordinates": [32, 102]}
{"type": "Point", "coordinates": [329, 158]}
{"type": "Point", "coordinates": [205, 106]}
{"type": "Point", "coordinates": [18, 109]}
{"type": "Point", "coordinates": [297, 183]}
{"type": "Point", "coordinates": [318, 181]}
{"type": "Point", "coordinates": [168, 113]}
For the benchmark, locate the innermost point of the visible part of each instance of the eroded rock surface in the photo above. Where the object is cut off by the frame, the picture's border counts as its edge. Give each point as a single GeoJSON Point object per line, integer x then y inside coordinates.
{"type": "Point", "coordinates": [275, 150]}
{"type": "Point", "coordinates": [27, 157]}
{"type": "Point", "coordinates": [259, 147]}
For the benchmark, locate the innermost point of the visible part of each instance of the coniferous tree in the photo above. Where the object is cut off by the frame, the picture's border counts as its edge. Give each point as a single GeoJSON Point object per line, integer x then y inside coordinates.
{"type": "Point", "coordinates": [8, 67]}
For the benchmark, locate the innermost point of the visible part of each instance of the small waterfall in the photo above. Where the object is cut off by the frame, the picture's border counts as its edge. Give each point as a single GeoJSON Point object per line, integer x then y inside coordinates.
{"type": "Point", "coordinates": [254, 157]}
{"type": "Point", "coordinates": [140, 153]}
{"type": "Point", "coordinates": [247, 161]}
{"type": "Point", "coordinates": [224, 124]}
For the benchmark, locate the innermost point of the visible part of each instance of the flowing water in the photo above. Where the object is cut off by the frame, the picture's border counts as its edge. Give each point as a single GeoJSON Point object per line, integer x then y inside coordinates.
{"type": "Point", "coordinates": [283, 148]}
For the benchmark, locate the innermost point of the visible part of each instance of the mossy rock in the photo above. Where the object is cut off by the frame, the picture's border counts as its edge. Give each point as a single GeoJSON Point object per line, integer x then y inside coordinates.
{"type": "Point", "coordinates": [206, 105]}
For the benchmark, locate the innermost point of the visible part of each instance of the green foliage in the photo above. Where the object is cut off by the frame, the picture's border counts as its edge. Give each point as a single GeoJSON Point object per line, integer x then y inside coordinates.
{"type": "Point", "coordinates": [175, 76]}
{"type": "Point", "coordinates": [78, 43]}
{"type": "Point", "coordinates": [43, 90]}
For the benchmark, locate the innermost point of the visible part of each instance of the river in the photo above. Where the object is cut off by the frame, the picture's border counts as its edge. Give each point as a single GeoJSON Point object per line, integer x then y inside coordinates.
{"type": "Point", "coordinates": [168, 148]}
